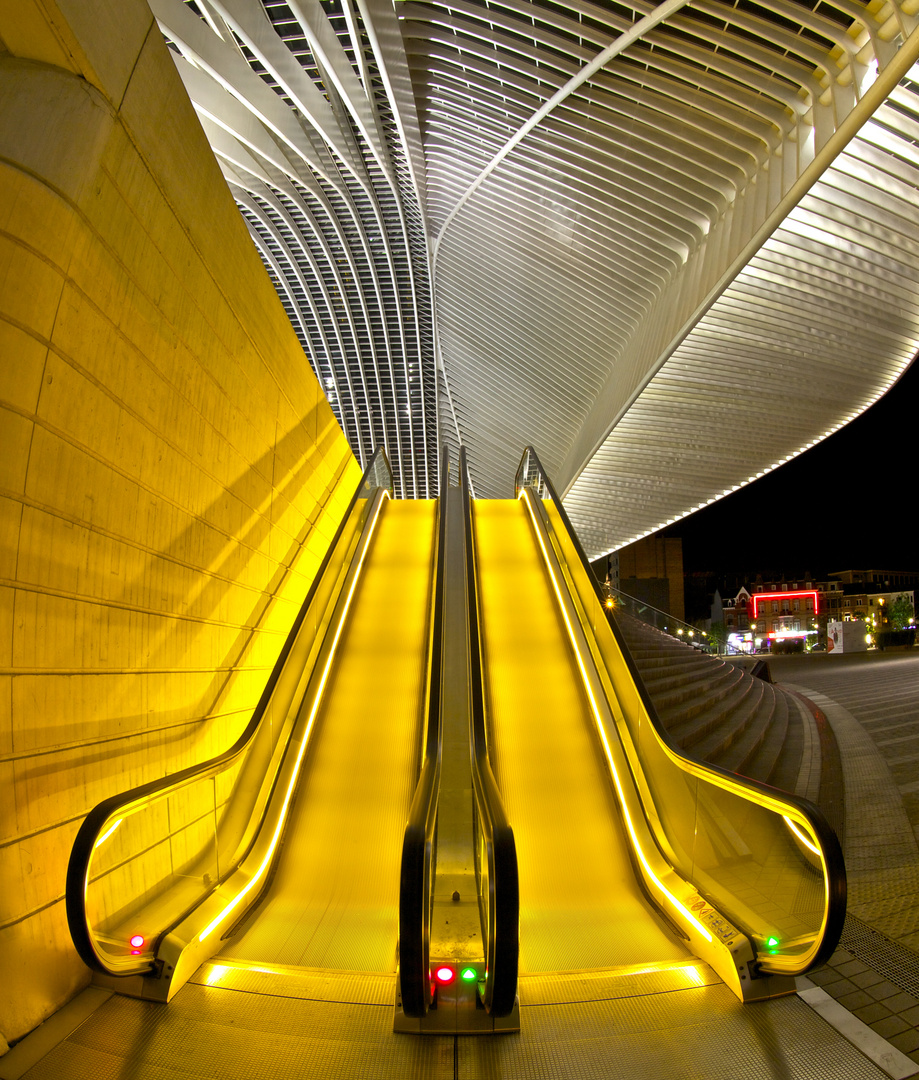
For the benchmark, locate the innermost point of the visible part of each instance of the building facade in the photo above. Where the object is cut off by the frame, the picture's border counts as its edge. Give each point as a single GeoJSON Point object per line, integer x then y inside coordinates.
{"type": "Point", "coordinates": [767, 613]}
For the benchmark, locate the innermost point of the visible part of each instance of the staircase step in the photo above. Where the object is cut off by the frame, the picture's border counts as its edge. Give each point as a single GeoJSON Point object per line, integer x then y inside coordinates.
{"type": "Point", "coordinates": [739, 756]}
{"type": "Point", "coordinates": [690, 699]}
{"type": "Point", "coordinates": [728, 727]}
{"type": "Point", "coordinates": [714, 710]}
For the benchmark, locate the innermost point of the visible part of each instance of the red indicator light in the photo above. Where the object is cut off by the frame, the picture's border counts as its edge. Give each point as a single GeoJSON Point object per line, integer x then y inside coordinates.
{"type": "Point", "coordinates": [445, 975]}
{"type": "Point", "coordinates": [137, 940]}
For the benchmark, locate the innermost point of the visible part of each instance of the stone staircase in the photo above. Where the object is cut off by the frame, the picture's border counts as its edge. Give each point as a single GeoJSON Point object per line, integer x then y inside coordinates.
{"type": "Point", "coordinates": [715, 710]}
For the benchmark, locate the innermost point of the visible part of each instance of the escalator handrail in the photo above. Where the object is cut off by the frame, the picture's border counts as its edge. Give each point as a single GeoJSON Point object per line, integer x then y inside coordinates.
{"type": "Point", "coordinates": [96, 819]}
{"type": "Point", "coordinates": [416, 878]}
{"type": "Point", "coordinates": [502, 931]}
{"type": "Point", "coordinates": [822, 830]}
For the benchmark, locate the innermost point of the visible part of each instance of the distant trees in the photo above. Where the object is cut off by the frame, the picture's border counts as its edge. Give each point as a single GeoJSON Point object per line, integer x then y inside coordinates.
{"type": "Point", "coordinates": [901, 612]}
{"type": "Point", "coordinates": [718, 636]}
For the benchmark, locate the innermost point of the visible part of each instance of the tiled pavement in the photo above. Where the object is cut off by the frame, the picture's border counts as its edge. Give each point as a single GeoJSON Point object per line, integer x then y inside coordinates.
{"type": "Point", "coordinates": [881, 1004]}
{"type": "Point", "coordinates": [871, 702]}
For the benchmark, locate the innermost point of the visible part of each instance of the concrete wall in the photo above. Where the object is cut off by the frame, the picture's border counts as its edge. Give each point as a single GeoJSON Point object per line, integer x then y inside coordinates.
{"type": "Point", "coordinates": [170, 473]}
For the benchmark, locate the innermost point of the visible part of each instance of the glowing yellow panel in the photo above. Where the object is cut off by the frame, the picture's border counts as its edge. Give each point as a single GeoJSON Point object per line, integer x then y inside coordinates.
{"type": "Point", "coordinates": [580, 904]}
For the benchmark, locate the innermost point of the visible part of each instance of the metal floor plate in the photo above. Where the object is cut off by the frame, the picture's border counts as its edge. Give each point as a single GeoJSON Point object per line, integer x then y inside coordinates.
{"type": "Point", "coordinates": [886, 957]}
{"type": "Point", "coordinates": [702, 1033]}
{"type": "Point", "coordinates": [345, 987]}
{"type": "Point", "coordinates": [563, 988]}
{"type": "Point", "coordinates": [212, 1032]}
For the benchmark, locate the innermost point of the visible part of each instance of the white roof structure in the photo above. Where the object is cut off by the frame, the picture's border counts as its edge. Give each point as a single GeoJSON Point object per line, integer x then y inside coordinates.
{"type": "Point", "coordinates": [670, 247]}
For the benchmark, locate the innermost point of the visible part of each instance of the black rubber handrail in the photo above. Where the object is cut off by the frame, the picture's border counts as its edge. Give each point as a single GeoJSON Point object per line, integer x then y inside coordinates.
{"type": "Point", "coordinates": [823, 831]}
{"type": "Point", "coordinates": [500, 904]}
{"type": "Point", "coordinates": [416, 878]}
{"type": "Point", "coordinates": [95, 820]}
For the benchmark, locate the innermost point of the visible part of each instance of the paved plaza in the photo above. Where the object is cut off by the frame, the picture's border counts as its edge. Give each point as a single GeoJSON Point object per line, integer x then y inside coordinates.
{"type": "Point", "coordinates": [871, 703]}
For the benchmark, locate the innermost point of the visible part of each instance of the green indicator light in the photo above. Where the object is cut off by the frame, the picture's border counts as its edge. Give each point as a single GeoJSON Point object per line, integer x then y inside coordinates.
{"type": "Point", "coordinates": [469, 974]}
{"type": "Point", "coordinates": [772, 942]}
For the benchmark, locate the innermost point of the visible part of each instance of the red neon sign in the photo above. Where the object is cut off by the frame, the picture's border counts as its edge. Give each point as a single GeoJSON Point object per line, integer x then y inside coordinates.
{"type": "Point", "coordinates": [782, 596]}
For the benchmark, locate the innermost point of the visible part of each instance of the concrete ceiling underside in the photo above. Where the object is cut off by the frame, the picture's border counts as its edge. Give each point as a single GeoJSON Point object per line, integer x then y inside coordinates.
{"type": "Point", "coordinates": [670, 247]}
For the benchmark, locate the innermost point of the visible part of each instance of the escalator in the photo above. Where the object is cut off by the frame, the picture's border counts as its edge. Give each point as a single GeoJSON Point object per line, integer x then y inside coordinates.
{"type": "Point", "coordinates": [551, 771]}
{"type": "Point", "coordinates": [588, 842]}
{"type": "Point", "coordinates": [631, 856]}
{"type": "Point", "coordinates": [284, 851]}
{"type": "Point", "coordinates": [323, 910]}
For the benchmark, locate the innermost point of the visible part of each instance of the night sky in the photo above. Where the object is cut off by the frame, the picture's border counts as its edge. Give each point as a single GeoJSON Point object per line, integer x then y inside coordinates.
{"type": "Point", "coordinates": [848, 502]}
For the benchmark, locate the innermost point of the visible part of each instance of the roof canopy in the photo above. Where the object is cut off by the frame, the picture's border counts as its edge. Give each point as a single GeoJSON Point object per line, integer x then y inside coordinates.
{"type": "Point", "coordinates": [670, 246]}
